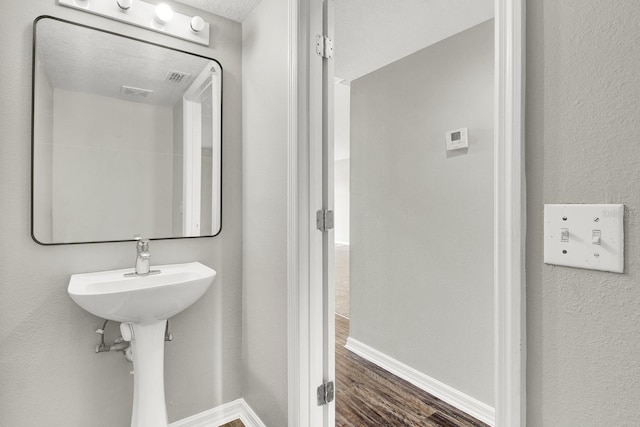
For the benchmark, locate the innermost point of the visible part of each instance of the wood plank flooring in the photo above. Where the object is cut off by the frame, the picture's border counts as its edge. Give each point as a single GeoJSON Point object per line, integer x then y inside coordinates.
{"type": "Point", "coordinates": [369, 396]}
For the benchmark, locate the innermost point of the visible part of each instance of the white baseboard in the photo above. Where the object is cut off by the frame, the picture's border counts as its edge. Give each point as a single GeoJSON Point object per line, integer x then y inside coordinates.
{"type": "Point", "coordinates": [464, 402]}
{"type": "Point", "coordinates": [238, 409]}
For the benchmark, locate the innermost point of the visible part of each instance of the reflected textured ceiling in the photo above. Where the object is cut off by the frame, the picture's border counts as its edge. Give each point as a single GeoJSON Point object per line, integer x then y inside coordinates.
{"type": "Point", "coordinates": [72, 62]}
{"type": "Point", "coordinates": [370, 34]}
{"type": "Point", "coordinates": [236, 10]}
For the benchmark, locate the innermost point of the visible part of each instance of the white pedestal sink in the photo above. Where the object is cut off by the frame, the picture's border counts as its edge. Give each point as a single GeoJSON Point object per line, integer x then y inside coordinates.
{"type": "Point", "coordinates": [143, 304]}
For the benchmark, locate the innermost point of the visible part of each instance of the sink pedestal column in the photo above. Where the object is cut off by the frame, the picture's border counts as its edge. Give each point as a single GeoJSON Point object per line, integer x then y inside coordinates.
{"type": "Point", "coordinates": [147, 346]}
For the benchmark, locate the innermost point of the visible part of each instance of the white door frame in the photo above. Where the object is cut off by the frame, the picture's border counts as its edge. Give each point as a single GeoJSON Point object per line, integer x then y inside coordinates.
{"type": "Point", "coordinates": [305, 197]}
{"type": "Point", "coordinates": [509, 216]}
{"type": "Point", "coordinates": [208, 82]}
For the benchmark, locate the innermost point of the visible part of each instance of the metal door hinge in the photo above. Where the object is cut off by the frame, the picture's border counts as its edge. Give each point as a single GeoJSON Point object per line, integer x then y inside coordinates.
{"type": "Point", "coordinates": [324, 220]}
{"type": "Point", "coordinates": [325, 393]}
{"type": "Point", "coordinates": [324, 46]}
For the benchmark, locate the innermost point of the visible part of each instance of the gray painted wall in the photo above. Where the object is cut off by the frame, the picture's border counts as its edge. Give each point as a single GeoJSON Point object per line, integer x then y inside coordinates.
{"type": "Point", "coordinates": [342, 135]}
{"type": "Point", "coordinates": [43, 186]}
{"type": "Point", "coordinates": [583, 122]}
{"type": "Point", "coordinates": [341, 200]}
{"type": "Point", "coordinates": [94, 168]}
{"type": "Point", "coordinates": [264, 179]}
{"type": "Point", "coordinates": [422, 218]}
{"type": "Point", "coordinates": [49, 372]}
{"type": "Point", "coordinates": [178, 168]}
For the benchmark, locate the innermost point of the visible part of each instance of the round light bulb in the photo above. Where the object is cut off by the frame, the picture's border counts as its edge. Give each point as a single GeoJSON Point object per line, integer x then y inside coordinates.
{"type": "Point", "coordinates": [124, 4]}
{"type": "Point", "coordinates": [197, 24]}
{"type": "Point", "coordinates": [164, 13]}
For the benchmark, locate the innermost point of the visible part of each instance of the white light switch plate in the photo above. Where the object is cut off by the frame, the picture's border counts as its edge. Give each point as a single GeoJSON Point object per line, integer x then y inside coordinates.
{"type": "Point", "coordinates": [572, 233]}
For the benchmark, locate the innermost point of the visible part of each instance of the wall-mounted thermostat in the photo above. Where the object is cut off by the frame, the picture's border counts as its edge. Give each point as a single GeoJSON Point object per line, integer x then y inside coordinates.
{"type": "Point", "coordinates": [457, 139]}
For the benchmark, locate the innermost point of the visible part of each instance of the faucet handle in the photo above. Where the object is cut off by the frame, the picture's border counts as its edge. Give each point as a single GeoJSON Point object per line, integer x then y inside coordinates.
{"type": "Point", "coordinates": [142, 245]}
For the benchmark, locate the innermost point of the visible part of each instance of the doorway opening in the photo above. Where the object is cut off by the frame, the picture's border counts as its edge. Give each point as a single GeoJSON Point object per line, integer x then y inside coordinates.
{"type": "Point", "coordinates": [310, 259]}
{"type": "Point", "coordinates": [414, 216]}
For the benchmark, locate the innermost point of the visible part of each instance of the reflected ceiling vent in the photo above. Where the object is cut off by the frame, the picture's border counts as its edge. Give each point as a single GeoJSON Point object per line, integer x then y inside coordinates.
{"type": "Point", "coordinates": [135, 92]}
{"type": "Point", "coordinates": [177, 76]}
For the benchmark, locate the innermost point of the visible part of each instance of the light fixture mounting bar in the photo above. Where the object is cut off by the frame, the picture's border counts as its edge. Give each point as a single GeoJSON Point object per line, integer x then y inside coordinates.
{"type": "Point", "coordinates": [143, 14]}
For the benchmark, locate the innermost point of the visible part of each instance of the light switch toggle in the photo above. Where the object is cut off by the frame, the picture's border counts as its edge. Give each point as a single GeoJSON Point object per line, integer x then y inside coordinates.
{"type": "Point", "coordinates": [564, 234]}
{"type": "Point", "coordinates": [596, 237]}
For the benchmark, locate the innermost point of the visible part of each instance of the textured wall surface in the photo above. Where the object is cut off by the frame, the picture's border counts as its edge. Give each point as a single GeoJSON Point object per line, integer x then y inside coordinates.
{"type": "Point", "coordinates": [49, 372]}
{"type": "Point", "coordinates": [264, 180]}
{"type": "Point", "coordinates": [582, 146]}
{"type": "Point", "coordinates": [422, 217]}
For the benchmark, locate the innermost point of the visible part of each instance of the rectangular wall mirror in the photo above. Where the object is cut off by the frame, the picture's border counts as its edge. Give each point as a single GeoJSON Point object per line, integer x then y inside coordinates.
{"type": "Point", "coordinates": [126, 138]}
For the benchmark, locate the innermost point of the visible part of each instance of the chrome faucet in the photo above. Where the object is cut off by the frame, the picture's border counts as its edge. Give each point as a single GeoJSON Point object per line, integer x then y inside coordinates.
{"type": "Point", "coordinates": [143, 259]}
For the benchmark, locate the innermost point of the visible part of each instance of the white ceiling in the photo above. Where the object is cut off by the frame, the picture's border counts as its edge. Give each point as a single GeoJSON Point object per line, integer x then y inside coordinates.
{"type": "Point", "coordinates": [236, 10]}
{"type": "Point", "coordinates": [370, 34]}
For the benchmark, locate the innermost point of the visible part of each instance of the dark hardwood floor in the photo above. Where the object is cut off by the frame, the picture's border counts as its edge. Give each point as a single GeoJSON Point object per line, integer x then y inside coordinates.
{"type": "Point", "coordinates": [369, 396]}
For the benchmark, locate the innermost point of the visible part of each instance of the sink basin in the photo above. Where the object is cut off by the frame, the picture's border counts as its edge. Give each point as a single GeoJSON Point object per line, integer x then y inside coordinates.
{"type": "Point", "coordinates": [141, 299]}
{"type": "Point", "coordinates": [143, 304]}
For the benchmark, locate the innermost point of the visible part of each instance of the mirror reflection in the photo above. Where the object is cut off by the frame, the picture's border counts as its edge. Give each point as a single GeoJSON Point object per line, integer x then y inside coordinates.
{"type": "Point", "coordinates": [126, 138]}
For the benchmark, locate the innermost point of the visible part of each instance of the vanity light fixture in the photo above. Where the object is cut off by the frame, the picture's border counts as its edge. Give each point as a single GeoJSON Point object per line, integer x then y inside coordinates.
{"type": "Point", "coordinates": [160, 18]}
{"type": "Point", "coordinates": [163, 14]}
{"type": "Point", "coordinates": [124, 4]}
{"type": "Point", "coordinates": [197, 24]}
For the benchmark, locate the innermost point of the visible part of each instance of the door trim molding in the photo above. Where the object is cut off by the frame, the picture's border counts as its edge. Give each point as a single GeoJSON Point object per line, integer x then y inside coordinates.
{"type": "Point", "coordinates": [509, 216]}
{"type": "Point", "coordinates": [304, 197]}
{"type": "Point", "coordinates": [297, 347]}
